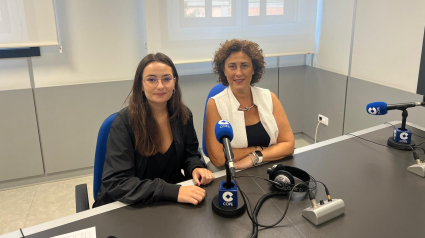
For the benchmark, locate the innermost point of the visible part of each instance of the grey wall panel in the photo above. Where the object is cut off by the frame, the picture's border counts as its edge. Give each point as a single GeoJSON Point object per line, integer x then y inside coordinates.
{"type": "Point", "coordinates": [270, 80]}
{"type": "Point", "coordinates": [361, 92]}
{"type": "Point", "coordinates": [70, 118]}
{"type": "Point", "coordinates": [324, 94]}
{"type": "Point", "coordinates": [20, 154]}
{"type": "Point", "coordinates": [291, 94]}
{"type": "Point", "coordinates": [195, 89]}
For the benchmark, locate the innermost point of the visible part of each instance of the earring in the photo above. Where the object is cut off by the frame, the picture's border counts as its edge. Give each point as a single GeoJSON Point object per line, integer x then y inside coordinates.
{"type": "Point", "coordinates": [174, 90]}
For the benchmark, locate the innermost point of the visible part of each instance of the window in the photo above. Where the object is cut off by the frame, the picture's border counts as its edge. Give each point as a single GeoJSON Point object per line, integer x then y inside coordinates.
{"type": "Point", "coordinates": [188, 14]}
{"type": "Point", "coordinates": [191, 30]}
{"type": "Point", "coordinates": [194, 8]}
{"type": "Point", "coordinates": [265, 7]}
{"type": "Point", "coordinates": [253, 7]}
{"type": "Point", "coordinates": [274, 7]}
{"type": "Point", "coordinates": [221, 8]}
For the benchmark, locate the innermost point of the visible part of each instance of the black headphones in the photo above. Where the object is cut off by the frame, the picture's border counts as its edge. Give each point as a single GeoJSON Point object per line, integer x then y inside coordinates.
{"type": "Point", "coordinates": [284, 175]}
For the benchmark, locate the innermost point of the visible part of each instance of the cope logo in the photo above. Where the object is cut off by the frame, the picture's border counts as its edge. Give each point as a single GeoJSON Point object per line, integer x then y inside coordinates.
{"type": "Point", "coordinates": [404, 136]}
{"type": "Point", "coordinates": [228, 198]}
{"type": "Point", "coordinates": [224, 123]}
{"type": "Point", "coordinates": [373, 110]}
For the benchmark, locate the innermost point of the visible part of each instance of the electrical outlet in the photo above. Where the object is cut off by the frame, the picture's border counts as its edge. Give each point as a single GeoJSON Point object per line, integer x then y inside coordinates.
{"type": "Point", "coordinates": [324, 120]}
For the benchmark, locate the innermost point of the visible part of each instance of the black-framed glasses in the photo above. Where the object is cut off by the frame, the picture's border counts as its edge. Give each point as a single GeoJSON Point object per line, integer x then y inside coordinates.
{"type": "Point", "coordinates": [152, 81]}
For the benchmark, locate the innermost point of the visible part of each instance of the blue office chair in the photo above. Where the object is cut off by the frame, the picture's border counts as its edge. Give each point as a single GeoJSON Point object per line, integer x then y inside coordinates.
{"type": "Point", "coordinates": [81, 197]}
{"type": "Point", "coordinates": [214, 91]}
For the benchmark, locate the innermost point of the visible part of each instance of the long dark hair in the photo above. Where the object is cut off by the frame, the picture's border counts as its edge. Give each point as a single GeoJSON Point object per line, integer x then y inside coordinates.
{"type": "Point", "coordinates": [145, 126]}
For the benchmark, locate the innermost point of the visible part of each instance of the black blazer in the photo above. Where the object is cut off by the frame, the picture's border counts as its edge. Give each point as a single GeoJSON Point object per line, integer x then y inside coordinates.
{"type": "Point", "coordinates": [124, 166]}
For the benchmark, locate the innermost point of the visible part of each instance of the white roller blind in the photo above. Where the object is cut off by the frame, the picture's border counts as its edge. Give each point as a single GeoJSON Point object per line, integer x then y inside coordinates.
{"type": "Point", "coordinates": [191, 30]}
{"type": "Point", "coordinates": [27, 23]}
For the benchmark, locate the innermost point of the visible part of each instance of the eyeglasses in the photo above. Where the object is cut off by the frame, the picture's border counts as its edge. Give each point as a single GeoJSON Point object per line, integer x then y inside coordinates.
{"type": "Point", "coordinates": [152, 81]}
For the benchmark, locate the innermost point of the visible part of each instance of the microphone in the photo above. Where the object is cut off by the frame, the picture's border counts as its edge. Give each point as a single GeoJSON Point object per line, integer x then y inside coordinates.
{"type": "Point", "coordinates": [402, 136]}
{"type": "Point", "coordinates": [381, 108]}
{"type": "Point", "coordinates": [225, 203]}
{"type": "Point", "coordinates": [224, 135]}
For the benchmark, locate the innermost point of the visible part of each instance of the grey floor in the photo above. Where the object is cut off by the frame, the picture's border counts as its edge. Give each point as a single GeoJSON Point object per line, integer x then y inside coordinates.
{"type": "Point", "coordinates": [36, 204]}
{"type": "Point", "coordinates": [302, 140]}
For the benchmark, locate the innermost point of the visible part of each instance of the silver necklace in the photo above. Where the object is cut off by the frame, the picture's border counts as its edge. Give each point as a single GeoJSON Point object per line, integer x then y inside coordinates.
{"type": "Point", "coordinates": [246, 108]}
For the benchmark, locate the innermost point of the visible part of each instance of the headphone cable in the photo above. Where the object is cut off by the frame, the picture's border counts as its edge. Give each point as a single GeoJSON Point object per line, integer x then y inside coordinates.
{"type": "Point", "coordinates": [252, 214]}
{"type": "Point", "coordinates": [276, 183]}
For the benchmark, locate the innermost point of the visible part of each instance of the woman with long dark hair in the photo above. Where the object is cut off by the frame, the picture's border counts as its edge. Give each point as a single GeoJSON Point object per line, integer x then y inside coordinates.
{"type": "Point", "coordinates": [151, 141]}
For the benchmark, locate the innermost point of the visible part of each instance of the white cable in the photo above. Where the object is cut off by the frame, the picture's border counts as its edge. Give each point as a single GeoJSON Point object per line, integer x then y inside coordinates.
{"type": "Point", "coordinates": [315, 135]}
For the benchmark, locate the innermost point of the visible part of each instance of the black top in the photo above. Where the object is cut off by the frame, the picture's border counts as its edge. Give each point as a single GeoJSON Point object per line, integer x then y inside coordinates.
{"type": "Point", "coordinates": [164, 166]}
{"type": "Point", "coordinates": [124, 171]}
{"type": "Point", "coordinates": [257, 135]}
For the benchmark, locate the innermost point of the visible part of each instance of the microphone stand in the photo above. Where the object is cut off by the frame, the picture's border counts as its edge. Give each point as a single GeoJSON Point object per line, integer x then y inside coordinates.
{"type": "Point", "coordinates": [404, 115]}
{"type": "Point", "coordinates": [401, 146]}
{"type": "Point", "coordinates": [228, 183]}
{"type": "Point", "coordinates": [230, 170]}
{"type": "Point", "coordinates": [418, 168]}
{"type": "Point", "coordinates": [238, 206]}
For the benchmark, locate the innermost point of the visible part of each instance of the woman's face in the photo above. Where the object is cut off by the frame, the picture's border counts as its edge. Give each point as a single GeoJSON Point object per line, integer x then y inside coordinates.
{"type": "Point", "coordinates": [238, 69]}
{"type": "Point", "coordinates": [158, 82]}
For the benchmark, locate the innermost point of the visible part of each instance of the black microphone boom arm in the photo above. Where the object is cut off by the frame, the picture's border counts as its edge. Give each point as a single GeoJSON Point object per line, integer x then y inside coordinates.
{"type": "Point", "coordinates": [228, 155]}
{"type": "Point", "coordinates": [404, 106]}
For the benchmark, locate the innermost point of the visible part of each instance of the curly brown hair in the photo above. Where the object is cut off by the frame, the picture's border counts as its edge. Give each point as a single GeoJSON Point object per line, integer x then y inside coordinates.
{"type": "Point", "coordinates": [250, 48]}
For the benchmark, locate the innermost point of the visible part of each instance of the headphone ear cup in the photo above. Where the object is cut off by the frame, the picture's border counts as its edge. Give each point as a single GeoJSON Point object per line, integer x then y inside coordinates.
{"type": "Point", "coordinates": [284, 178]}
{"type": "Point", "coordinates": [273, 171]}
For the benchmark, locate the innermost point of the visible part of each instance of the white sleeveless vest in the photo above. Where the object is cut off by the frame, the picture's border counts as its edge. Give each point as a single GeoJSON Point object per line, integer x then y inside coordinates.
{"type": "Point", "coordinates": [228, 105]}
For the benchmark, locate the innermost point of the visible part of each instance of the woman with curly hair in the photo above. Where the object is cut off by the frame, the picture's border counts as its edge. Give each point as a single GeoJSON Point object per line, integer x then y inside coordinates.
{"type": "Point", "coordinates": [260, 126]}
{"type": "Point", "coordinates": [151, 141]}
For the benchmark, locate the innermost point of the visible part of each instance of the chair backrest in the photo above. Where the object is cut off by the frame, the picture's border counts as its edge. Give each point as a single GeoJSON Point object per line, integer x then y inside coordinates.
{"type": "Point", "coordinates": [214, 91]}
{"type": "Point", "coordinates": [99, 157]}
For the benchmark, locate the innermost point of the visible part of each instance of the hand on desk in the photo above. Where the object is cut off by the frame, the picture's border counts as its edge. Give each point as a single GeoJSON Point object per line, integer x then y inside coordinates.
{"type": "Point", "coordinates": [191, 194]}
{"type": "Point", "coordinates": [202, 176]}
{"type": "Point", "coordinates": [194, 194]}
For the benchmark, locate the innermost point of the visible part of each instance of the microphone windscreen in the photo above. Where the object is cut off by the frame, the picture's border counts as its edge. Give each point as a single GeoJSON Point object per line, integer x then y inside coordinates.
{"type": "Point", "coordinates": [377, 108]}
{"type": "Point", "coordinates": [223, 129]}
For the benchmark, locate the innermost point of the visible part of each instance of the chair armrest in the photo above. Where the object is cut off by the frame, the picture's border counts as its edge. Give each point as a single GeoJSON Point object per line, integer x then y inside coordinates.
{"type": "Point", "coordinates": [81, 198]}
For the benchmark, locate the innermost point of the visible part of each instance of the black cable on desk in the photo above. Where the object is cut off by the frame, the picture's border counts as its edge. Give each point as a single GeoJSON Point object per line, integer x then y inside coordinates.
{"type": "Point", "coordinates": [22, 233]}
{"type": "Point", "coordinates": [415, 155]}
{"type": "Point", "coordinates": [278, 184]}
{"type": "Point", "coordinates": [368, 140]}
{"type": "Point", "coordinates": [252, 214]}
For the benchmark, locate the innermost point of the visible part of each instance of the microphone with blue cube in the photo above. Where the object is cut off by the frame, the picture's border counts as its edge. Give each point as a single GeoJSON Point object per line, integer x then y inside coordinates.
{"type": "Point", "coordinates": [228, 197]}
{"type": "Point", "coordinates": [402, 136]}
{"type": "Point", "coordinates": [226, 203]}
